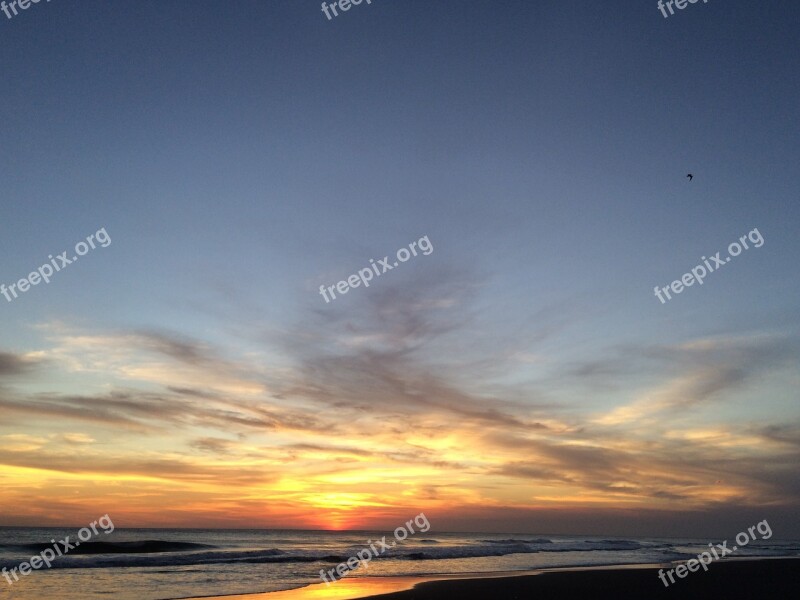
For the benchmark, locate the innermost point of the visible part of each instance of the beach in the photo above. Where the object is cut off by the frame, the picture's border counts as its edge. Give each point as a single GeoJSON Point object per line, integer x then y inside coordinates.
{"type": "Point", "coordinates": [733, 580]}
{"type": "Point", "coordinates": [150, 564]}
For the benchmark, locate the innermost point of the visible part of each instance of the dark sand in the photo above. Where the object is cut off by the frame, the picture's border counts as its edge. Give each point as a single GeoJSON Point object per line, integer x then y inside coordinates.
{"type": "Point", "coordinates": [769, 579]}
{"type": "Point", "coordinates": [734, 580]}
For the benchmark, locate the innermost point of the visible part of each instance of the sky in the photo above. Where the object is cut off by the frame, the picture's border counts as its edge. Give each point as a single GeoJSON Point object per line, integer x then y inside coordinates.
{"type": "Point", "coordinates": [521, 376]}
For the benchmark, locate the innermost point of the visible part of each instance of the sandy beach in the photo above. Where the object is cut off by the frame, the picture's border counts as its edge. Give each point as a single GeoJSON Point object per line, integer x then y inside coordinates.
{"type": "Point", "coordinates": [734, 580]}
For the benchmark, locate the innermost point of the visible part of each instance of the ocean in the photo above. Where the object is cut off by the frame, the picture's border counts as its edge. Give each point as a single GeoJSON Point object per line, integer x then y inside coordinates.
{"type": "Point", "coordinates": [156, 564]}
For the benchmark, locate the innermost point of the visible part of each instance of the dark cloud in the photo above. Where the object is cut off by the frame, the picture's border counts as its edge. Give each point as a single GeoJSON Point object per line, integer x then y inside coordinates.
{"type": "Point", "coordinates": [213, 445]}
{"type": "Point", "coordinates": [183, 350]}
{"type": "Point", "coordinates": [787, 433]}
{"type": "Point", "coordinates": [193, 392]}
{"type": "Point", "coordinates": [14, 364]}
{"type": "Point", "coordinates": [390, 352]}
{"type": "Point", "coordinates": [153, 412]}
{"type": "Point", "coordinates": [714, 365]}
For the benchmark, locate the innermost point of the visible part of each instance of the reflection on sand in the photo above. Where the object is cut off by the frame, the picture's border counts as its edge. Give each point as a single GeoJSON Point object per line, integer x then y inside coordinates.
{"type": "Point", "coordinates": [350, 588]}
{"type": "Point", "coordinates": [344, 589]}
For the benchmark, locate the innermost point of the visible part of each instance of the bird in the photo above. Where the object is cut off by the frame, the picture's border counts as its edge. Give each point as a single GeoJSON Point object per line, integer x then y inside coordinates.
{"type": "Point", "coordinates": [690, 176]}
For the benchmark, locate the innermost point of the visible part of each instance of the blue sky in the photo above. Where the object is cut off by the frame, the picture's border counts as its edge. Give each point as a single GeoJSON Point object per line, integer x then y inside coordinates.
{"type": "Point", "coordinates": [241, 155]}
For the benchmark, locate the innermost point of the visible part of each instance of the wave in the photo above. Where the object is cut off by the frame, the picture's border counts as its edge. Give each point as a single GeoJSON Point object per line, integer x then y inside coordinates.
{"type": "Point", "coordinates": [74, 560]}
{"type": "Point", "coordinates": [139, 547]}
{"type": "Point", "coordinates": [513, 541]}
{"type": "Point", "coordinates": [158, 553]}
{"type": "Point", "coordinates": [514, 546]}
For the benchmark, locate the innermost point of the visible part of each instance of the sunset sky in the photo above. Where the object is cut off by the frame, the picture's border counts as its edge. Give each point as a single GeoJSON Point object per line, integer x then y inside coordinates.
{"type": "Point", "coordinates": [521, 377]}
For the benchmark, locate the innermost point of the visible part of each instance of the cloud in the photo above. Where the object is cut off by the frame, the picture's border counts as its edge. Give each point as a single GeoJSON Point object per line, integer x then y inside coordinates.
{"type": "Point", "coordinates": [213, 445]}
{"type": "Point", "coordinates": [148, 358]}
{"type": "Point", "coordinates": [189, 352]}
{"type": "Point", "coordinates": [77, 438]}
{"type": "Point", "coordinates": [175, 469]}
{"type": "Point", "coordinates": [385, 354]}
{"type": "Point", "coordinates": [149, 412]}
{"type": "Point", "coordinates": [785, 433]}
{"type": "Point", "coordinates": [21, 442]}
{"type": "Point", "coordinates": [15, 364]}
{"type": "Point", "coordinates": [396, 387]}
{"type": "Point", "coordinates": [696, 373]}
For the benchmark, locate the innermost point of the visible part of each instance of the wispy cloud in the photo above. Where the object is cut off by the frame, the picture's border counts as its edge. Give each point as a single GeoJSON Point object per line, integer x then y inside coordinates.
{"type": "Point", "coordinates": [372, 406]}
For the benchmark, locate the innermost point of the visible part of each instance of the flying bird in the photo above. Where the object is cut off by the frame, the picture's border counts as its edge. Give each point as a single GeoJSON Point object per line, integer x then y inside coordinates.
{"type": "Point", "coordinates": [690, 176]}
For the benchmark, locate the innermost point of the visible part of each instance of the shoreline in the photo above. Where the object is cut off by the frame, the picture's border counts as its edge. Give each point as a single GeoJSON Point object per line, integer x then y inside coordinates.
{"type": "Point", "coordinates": [729, 578]}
